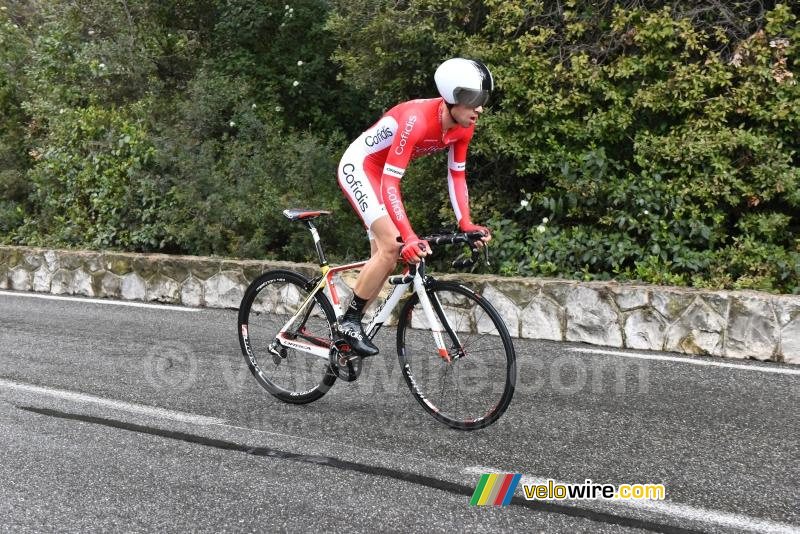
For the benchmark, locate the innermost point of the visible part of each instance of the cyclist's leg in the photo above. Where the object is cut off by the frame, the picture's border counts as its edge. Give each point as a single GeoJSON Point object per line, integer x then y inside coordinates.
{"type": "Point", "coordinates": [360, 190]}
{"type": "Point", "coordinates": [385, 251]}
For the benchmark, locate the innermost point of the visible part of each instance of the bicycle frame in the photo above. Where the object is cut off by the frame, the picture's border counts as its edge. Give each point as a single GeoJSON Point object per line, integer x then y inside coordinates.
{"type": "Point", "coordinates": [384, 312]}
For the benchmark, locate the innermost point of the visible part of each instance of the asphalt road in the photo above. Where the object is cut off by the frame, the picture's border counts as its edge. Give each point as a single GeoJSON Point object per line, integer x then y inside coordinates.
{"type": "Point", "coordinates": [117, 417]}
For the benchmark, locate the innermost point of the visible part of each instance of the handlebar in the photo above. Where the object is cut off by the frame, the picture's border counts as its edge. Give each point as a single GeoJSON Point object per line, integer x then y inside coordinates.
{"type": "Point", "coordinates": [467, 238]}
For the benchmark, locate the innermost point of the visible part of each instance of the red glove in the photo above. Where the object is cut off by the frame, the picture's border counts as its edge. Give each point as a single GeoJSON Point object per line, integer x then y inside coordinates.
{"type": "Point", "coordinates": [413, 249]}
{"type": "Point", "coordinates": [469, 227]}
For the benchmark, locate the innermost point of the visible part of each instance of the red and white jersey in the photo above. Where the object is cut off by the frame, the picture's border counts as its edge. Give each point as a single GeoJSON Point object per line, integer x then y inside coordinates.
{"type": "Point", "coordinates": [382, 153]}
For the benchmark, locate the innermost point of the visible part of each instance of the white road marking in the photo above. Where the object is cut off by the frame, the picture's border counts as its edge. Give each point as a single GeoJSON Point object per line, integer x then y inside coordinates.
{"type": "Point", "coordinates": [674, 510]}
{"type": "Point", "coordinates": [140, 409]}
{"type": "Point", "coordinates": [99, 301]}
{"type": "Point", "coordinates": [670, 509]}
{"type": "Point", "coordinates": [757, 368]}
{"type": "Point", "coordinates": [183, 417]}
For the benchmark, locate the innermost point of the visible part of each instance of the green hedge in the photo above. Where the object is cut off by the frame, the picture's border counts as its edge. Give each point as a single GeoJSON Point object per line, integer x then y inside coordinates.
{"type": "Point", "coordinates": [641, 141]}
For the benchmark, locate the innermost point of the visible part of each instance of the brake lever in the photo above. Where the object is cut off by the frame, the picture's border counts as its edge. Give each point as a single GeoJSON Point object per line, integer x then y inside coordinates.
{"type": "Point", "coordinates": [468, 262]}
{"type": "Point", "coordinates": [463, 263]}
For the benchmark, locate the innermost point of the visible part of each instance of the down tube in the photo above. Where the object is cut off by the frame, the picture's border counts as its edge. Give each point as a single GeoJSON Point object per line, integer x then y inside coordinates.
{"type": "Point", "coordinates": [390, 304]}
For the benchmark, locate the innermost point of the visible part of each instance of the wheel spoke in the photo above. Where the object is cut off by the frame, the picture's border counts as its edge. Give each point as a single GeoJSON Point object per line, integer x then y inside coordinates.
{"type": "Point", "coordinates": [467, 389]}
{"type": "Point", "coordinates": [269, 304]}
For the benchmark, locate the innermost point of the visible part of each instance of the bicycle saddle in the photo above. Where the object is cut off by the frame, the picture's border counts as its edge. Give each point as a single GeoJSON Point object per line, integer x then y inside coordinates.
{"type": "Point", "coordinates": [304, 215]}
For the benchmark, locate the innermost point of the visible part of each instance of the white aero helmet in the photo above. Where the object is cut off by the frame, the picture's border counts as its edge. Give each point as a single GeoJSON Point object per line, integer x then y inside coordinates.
{"type": "Point", "coordinates": [464, 81]}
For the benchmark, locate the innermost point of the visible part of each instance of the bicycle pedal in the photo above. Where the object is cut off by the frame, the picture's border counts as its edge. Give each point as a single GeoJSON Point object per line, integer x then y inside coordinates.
{"type": "Point", "coordinates": [342, 346]}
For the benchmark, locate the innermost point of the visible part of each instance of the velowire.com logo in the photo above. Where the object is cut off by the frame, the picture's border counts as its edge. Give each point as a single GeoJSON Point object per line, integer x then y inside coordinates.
{"type": "Point", "coordinates": [495, 489]}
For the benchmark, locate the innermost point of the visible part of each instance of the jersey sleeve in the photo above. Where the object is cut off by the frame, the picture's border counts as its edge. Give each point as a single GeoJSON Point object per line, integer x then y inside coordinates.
{"type": "Point", "coordinates": [457, 180]}
{"type": "Point", "coordinates": [411, 128]}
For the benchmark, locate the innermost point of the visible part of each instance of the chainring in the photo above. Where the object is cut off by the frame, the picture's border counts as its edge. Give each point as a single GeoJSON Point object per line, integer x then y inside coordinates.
{"type": "Point", "coordinates": [345, 365]}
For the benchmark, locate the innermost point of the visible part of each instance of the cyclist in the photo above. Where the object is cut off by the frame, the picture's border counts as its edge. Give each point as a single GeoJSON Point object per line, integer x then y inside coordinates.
{"type": "Point", "coordinates": [371, 169]}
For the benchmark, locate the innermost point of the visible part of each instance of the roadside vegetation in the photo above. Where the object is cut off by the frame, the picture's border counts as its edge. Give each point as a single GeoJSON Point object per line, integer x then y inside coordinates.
{"type": "Point", "coordinates": [654, 141]}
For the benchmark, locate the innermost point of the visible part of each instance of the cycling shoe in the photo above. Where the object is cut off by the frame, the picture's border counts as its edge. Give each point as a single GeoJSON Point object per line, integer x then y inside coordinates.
{"type": "Point", "coordinates": [353, 333]}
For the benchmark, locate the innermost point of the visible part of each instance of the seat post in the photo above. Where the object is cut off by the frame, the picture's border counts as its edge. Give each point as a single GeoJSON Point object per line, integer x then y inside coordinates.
{"type": "Point", "coordinates": [317, 243]}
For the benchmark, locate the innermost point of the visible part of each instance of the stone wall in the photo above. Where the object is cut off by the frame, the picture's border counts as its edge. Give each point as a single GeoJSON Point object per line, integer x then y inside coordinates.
{"type": "Point", "coordinates": [735, 324]}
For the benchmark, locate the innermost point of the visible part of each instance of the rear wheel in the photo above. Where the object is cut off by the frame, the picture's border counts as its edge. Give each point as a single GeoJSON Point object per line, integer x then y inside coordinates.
{"type": "Point", "coordinates": [293, 376]}
{"type": "Point", "coordinates": [472, 386]}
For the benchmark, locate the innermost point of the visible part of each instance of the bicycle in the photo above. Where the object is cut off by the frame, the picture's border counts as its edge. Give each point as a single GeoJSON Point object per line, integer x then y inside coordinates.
{"type": "Point", "coordinates": [449, 338]}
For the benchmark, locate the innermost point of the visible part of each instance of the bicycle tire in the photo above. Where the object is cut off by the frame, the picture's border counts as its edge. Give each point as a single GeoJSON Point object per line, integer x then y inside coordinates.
{"type": "Point", "coordinates": [268, 304]}
{"type": "Point", "coordinates": [423, 368]}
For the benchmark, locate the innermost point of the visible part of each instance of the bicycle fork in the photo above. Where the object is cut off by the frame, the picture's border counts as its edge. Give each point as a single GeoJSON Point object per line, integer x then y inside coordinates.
{"type": "Point", "coordinates": [437, 320]}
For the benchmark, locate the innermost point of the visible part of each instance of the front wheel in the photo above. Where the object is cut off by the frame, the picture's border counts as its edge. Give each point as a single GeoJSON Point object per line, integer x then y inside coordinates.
{"type": "Point", "coordinates": [269, 304]}
{"type": "Point", "coordinates": [472, 385]}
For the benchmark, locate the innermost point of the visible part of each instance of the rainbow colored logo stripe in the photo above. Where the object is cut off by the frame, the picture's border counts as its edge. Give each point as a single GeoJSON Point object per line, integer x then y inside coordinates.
{"type": "Point", "coordinates": [495, 489]}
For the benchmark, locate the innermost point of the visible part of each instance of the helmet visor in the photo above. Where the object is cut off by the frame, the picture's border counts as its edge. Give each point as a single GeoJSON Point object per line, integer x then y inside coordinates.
{"type": "Point", "coordinates": [471, 98]}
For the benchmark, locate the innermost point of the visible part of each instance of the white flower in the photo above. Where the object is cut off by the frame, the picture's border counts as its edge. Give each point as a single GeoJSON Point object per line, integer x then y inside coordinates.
{"type": "Point", "coordinates": [286, 6]}
{"type": "Point", "coordinates": [102, 65]}
{"type": "Point", "coordinates": [545, 220]}
{"type": "Point", "coordinates": [232, 124]}
{"type": "Point", "coordinates": [524, 203]}
{"type": "Point", "coordinates": [278, 108]}
{"type": "Point", "coordinates": [646, 212]}
{"type": "Point", "coordinates": [61, 111]}
{"type": "Point", "coordinates": [91, 32]}
{"type": "Point", "coordinates": [300, 63]}
{"type": "Point", "coordinates": [295, 83]}
{"type": "Point", "coordinates": [541, 229]}
{"type": "Point", "coordinates": [3, 8]}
